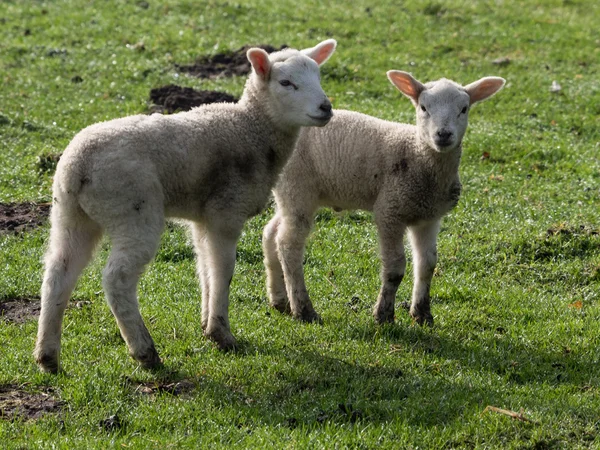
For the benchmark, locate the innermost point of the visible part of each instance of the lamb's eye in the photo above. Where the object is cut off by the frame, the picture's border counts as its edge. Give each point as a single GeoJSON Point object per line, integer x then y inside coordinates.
{"type": "Point", "coordinates": [464, 110]}
{"type": "Point", "coordinates": [286, 83]}
{"type": "Point", "coordinates": [423, 108]}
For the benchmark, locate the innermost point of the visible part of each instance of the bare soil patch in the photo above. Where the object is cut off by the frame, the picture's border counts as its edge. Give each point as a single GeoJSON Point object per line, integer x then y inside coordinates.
{"type": "Point", "coordinates": [227, 64]}
{"type": "Point", "coordinates": [172, 98]}
{"type": "Point", "coordinates": [178, 388]}
{"type": "Point", "coordinates": [47, 162]}
{"type": "Point", "coordinates": [17, 217]}
{"type": "Point", "coordinates": [19, 310]}
{"type": "Point", "coordinates": [16, 402]}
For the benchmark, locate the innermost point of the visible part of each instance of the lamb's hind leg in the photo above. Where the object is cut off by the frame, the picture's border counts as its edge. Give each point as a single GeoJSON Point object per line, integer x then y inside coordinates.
{"type": "Point", "coordinates": [424, 244]}
{"type": "Point", "coordinates": [393, 265]}
{"type": "Point", "coordinates": [133, 247]}
{"type": "Point", "coordinates": [278, 298]}
{"type": "Point", "coordinates": [290, 239]}
{"type": "Point", "coordinates": [72, 241]}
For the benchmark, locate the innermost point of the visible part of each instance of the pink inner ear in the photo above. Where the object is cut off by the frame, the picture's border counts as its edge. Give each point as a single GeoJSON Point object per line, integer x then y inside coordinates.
{"type": "Point", "coordinates": [484, 89]}
{"type": "Point", "coordinates": [405, 85]}
{"type": "Point", "coordinates": [323, 53]}
{"type": "Point", "coordinates": [260, 62]}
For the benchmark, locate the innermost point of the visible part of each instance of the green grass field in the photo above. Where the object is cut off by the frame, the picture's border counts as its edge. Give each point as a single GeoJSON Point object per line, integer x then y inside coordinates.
{"type": "Point", "coordinates": [516, 296]}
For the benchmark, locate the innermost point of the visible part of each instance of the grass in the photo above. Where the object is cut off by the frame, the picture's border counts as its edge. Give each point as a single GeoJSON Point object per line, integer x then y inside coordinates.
{"type": "Point", "coordinates": [515, 296]}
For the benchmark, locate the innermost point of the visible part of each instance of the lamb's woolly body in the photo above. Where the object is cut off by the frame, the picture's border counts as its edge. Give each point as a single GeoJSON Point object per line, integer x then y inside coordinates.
{"type": "Point", "coordinates": [361, 162]}
{"type": "Point", "coordinates": [192, 163]}
{"type": "Point", "coordinates": [407, 175]}
{"type": "Point", "coordinates": [213, 166]}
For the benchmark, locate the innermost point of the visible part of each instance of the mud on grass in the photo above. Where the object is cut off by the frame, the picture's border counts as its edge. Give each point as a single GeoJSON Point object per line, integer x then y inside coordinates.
{"type": "Point", "coordinates": [172, 98]}
{"type": "Point", "coordinates": [227, 64]}
{"type": "Point", "coordinates": [15, 402]}
{"type": "Point", "coordinates": [175, 388]}
{"type": "Point", "coordinates": [19, 310]}
{"type": "Point", "coordinates": [18, 217]}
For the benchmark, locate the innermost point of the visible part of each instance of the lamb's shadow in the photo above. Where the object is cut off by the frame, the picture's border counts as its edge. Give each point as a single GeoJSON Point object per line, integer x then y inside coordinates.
{"type": "Point", "coordinates": [308, 388]}
{"type": "Point", "coordinates": [418, 390]}
{"type": "Point", "coordinates": [425, 378]}
{"type": "Point", "coordinates": [517, 361]}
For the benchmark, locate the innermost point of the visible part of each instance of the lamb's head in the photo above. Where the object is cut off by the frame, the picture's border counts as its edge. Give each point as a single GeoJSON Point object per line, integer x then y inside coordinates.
{"type": "Point", "coordinates": [443, 106]}
{"type": "Point", "coordinates": [289, 84]}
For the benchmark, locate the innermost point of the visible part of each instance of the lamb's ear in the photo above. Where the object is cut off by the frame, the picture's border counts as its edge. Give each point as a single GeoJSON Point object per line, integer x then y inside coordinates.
{"type": "Point", "coordinates": [321, 52]}
{"type": "Point", "coordinates": [260, 62]}
{"type": "Point", "coordinates": [484, 88]}
{"type": "Point", "coordinates": [406, 84]}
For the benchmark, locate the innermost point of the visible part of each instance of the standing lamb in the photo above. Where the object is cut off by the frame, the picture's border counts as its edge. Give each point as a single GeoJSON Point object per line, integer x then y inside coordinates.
{"type": "Point", "coordinates": [213, 166]}
{"type": "Point", "coordinates": [407, 175]}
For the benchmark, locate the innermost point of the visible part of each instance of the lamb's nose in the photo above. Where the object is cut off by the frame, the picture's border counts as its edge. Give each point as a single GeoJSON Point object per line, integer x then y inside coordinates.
{"type": "Point", "coordinates": [444, 135]}
{"type": "Point", "coordinates": [325, 107]}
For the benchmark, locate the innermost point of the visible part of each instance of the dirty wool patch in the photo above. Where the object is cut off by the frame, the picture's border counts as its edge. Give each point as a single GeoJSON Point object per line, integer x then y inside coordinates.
{"type": "Point", "coordinates": [226, 64]}
{"type": "Point", "coordinates": [19, 310]}
{"type": "Point", "coordinates": [17, 217]}
{"type": "Point", "coordinates": [16, 402]}
{"type": "Point", "coordinates": [172, 98]}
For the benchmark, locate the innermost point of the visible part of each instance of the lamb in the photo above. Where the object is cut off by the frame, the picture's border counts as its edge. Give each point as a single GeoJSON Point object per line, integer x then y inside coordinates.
{"type": "Point", "coordinates": [213, 167]}
{"type": "Point", "coordinates": [406, 175]}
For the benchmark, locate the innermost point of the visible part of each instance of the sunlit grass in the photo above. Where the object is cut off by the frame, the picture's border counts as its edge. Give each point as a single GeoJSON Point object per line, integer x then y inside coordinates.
{"type": "Point", "coordinates": [515, 296]}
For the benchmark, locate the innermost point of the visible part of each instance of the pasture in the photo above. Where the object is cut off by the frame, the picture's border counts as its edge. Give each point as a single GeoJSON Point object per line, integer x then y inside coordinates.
{"type": "Point", "coordinates": [515, 296]}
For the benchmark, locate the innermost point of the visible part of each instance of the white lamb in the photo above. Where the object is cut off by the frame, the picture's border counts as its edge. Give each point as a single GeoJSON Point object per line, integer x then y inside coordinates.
{"type": "Point", "coordinates": [214, 166]}
{"type": "Point", "coordinates": [407, 175]}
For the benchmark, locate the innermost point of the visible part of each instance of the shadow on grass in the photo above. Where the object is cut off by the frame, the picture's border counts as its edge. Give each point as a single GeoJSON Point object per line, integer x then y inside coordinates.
{"type": "Point", "coordinates": [517, 362]}
{"type": "Point", "coordinates": [435, 382]}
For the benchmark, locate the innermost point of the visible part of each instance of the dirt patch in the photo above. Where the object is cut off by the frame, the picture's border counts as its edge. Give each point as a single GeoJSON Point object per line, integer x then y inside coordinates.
{"type": "Point", "coordinates": [15, 402]}
{"type": "Point", "coordinates": [226, 64]}
{"type": "Point", "coordinates": [563, 229]}
{"type": "Point", "coordinates": [17, 217]}
{"type": "Point", "coordinates": [19, 310]}
{"type": "Point", "coordinates": [172, 98]}
{"type": "Point", "coordinates": [47, 162]}
{"type": "Point", "coordinates": [174, 388]}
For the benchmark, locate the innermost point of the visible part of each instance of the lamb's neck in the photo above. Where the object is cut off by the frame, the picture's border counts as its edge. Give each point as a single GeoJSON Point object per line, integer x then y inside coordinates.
{"type": "Point", "coordinates": [282, 139]}
{"type": "Point", "coordinates": [444, 165]}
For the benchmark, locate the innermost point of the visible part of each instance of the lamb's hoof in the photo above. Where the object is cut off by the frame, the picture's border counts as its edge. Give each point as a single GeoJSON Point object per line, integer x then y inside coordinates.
{"type": "Point", "coordinates": [422, 318]}
{"type": "Point", "coordinates": [308, 315]}
{"type": "Point", "coordinates": [149, 359]}
{"type": "Point", "coordinates": [47, 363]}
{"type": "Point", "coordinates": [223, 338]}
{"type": "Point", "coordinates": [384, 314]}
{"type": "Point", "coordinates": [283, 306]}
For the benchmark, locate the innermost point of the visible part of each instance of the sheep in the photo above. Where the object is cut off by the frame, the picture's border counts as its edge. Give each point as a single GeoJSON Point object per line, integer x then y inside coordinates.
{"type": "Point", "coordinates": [406, 175]}
{"type": "Point", "coordinates": [214, 167]}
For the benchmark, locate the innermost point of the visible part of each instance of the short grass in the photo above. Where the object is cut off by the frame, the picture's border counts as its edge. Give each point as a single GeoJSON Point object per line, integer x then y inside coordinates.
{"type": "Point", "coordinates": [515, 296]}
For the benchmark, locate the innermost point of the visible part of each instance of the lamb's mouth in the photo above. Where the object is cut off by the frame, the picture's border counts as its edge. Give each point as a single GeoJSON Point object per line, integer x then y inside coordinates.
{"type": "Point", "coordinates": [444, 147]}
{"type": "Point", "coordinates": [324, 119]}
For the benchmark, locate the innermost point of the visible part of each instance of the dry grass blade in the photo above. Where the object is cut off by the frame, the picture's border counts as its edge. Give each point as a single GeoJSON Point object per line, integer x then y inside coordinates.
{"type": "Point", "coordinates": [514, 415]}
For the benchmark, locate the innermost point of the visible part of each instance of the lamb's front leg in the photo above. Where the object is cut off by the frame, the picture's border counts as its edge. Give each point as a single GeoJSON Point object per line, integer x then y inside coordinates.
{"type": "Point", "coordinates": [220, 259]}
{"type": "Point", "coordinates": [290, 239]}
{"type": "Point", "coordinates": [424, 244]}
{"type": "Point", "coordinates": [278, 298]}
{"type": "Point", "coordinates": [393, 266]}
